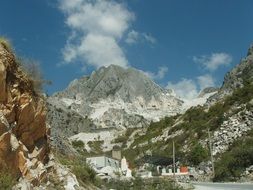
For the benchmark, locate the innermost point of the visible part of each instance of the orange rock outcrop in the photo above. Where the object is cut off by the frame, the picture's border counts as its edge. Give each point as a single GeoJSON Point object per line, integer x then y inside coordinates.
{"type": "Point", "coordinates": [24, 145]}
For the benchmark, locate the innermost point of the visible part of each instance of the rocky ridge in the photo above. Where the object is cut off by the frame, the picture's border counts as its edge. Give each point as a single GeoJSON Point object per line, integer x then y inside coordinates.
{"type": "Point", "coordinates": [236, 78]}
{"type": "Point", "coordinates": [24, 145]}
{"type": "Point", "coordinates": [113, 89]}
{"type": "Point", "coordinates": [25, 151]}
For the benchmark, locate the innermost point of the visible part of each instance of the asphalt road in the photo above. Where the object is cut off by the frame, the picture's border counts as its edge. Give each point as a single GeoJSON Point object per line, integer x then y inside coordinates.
{"type": "Point", "coordinates": [222, 186]}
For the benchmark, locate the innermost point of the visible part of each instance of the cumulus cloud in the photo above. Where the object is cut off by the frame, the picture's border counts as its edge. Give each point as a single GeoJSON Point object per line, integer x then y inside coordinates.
{"type": "Point", "coordinates": [134, 37]}
{"type": "Point", "coordinates": [162, 71]}
{"type": "Point", "coordinates": [186, 88]}
{"type": "Point", "coordinates": [213, 61]}
{"type": "Point", "coordinates": [190, 88]}
{"type": "Point", "coordinates": [205, 81]}
{"type": "Point", "coordinates": [97, 26]}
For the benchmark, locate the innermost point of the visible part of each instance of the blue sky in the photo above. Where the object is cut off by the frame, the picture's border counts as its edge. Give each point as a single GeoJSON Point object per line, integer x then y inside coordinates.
{"type": "Point", "coordinates": [182, 44]}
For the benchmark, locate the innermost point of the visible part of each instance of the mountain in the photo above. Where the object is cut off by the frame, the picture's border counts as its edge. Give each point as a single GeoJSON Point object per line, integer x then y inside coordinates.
{"type": "Point", "coordinates": [114, 82]}
{"type": "Point", "coordinates": [111, 98]}
{"type": "Point", "coordinates": [128, 89]}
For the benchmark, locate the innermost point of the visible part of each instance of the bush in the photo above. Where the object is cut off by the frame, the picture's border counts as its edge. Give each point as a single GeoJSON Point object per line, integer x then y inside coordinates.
{"type": "Point", "coordinates": [6, 43]}
{"type": "Point", "coordinates": [7, 181]}
{"type": "Point", "coordinates": [78, 144]}
{"type": "Point", "coordinates": [198, 154]}
{"type": "Point", "coordinates": [84, 172]}
{"type": "Point", "coordinates": [139, 183]}
{"type": "Point", "coordinates": [96, 146]}
{"type": "Point", "coordinates": [121, 139]}
{"type": "Point", "coordinates": [33, 70]}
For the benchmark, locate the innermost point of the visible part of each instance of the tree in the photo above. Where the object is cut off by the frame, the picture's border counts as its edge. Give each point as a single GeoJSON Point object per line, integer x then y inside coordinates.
{"type": "Point", "coordinates": [198, 154]}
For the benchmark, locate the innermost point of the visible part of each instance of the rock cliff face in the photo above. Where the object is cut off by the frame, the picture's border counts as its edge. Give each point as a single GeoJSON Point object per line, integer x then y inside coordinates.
{"type": "Point", "coordinates": [24, 146]}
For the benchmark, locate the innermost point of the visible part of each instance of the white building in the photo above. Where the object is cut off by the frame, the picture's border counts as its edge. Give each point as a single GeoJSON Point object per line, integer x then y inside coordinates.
{"type": "Point", "coordinates": [106, 166]}
{"type": "Point", "coordinates": [124, 165]}
{"type": "Point", "coordinates": [103, 161]}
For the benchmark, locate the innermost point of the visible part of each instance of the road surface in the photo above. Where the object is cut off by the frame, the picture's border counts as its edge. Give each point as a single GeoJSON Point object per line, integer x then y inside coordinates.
{"type": "Point", "coordinates": [222, 186]}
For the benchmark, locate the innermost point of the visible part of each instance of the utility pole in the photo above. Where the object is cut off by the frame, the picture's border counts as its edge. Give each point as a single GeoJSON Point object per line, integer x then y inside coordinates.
{"type": "Point", "coordinates": [211, 151]}
{"type": "Point", "coordinates": [174, 163]}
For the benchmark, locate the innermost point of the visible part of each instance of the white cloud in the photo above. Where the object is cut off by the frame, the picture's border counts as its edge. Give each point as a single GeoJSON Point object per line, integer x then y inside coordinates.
{"type": "Point", "coordinates": [133, 37]}
{"type": "Point", "coordinates": [162, 71]}
{"type": "Point", "coordinates": [186, 88]}
{"type": "Point", "coordinates": [102, 50]}
{"type": "Point", "coordinates": [214, 61]}
{"type": "Point", "coordinates": [205, 81]}
{"type": "Point", "coordinates": [189, 89]}
{"type": "Point", "coordinates": [98, 26]}
{"type": "Point", "coordinates": [149, 38]}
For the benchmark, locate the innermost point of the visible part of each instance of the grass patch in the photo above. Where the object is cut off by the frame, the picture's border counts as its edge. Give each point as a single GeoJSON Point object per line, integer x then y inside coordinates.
{"type": "Point", "coordinates": [7, 181]}
{"type": "Point", "coordinates": [78, 144]}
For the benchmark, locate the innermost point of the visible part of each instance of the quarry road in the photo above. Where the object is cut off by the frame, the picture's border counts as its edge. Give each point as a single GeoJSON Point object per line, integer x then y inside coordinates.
{"type": "Point", "coordinates": [223, 186]}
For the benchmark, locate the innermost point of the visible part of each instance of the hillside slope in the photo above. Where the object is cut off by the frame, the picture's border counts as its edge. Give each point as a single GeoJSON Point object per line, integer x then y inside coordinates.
{"type": "Point", "coordinates": [229, 118]}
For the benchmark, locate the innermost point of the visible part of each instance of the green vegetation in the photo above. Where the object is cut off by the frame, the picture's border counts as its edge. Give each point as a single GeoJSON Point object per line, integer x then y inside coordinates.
{"type": "Point", "coordinates": [84, 173]}
{"type": "Point", "coordinates": [155, 129]}
{"type": "Point", "coordinates": [78, 144]}
{"type": "Point", "coordinates": [161, 150]}
{"type": "Point", "coordinates": [7, 181]}
{"type": "Point", "coordinates": [139, 183]}
{"type": "Point", "coordinates": [6, 43]}
{"type": "Point", "coordinates": [198, 154]}
{"type": "Point", "coordinates": [191, 127]}
{"type": "Point", "coordinates": [124, 137]}
{"type": "Point", "coordinates": [233, 162]}
{"type": "Point", "coordinates": [96, 146]}
{"type": "Point", "coordinates": [241, 95]}
{"type": "Point", "coordinates": [121, 139]}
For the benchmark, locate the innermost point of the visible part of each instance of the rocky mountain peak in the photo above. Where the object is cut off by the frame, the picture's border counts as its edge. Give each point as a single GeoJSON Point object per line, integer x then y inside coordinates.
{"type": "Point", "coordinates": [111, 82]}
{"type": "Point", "coordinates": [112, 98]}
